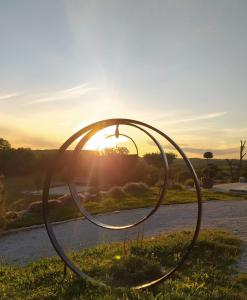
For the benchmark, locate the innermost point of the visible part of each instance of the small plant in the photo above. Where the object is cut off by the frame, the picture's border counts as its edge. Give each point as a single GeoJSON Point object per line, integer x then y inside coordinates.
{"type": "Point", "coordinates": [189, 182]}
{"type": "Point", "coordinates": [11, 215]}
{"type": "Point", "coordinates": [36, 206]}
{"type": "Point", "coordinates": [207, 182]}
{"type": "Point", "coordinates": [116, 192]}
{"type": "Point", "coordinates": [136, 188]}
{"type": "Point", "coordinates": [177, 186]}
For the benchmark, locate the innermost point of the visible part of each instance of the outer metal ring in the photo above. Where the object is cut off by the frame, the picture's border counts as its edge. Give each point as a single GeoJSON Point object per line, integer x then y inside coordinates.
{"type": "Point", "coordinates": [75, 195]}
{"type": "Point", "coordinates": [46, 187]}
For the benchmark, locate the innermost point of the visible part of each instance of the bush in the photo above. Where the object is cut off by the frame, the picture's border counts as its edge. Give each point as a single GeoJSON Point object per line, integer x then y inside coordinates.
{"type": "Point", "coordinates": [177, 186]}
{"type": "Point", "coordinates": [19, 204]}
{"type": "Point", "coordinates": [153, 177]}
{"type": "Point", "coordinates": [136, 188]}
{"type": "Point", "coordinates": [65, 199]}
{"type": "Point", "coordinates": [116, 192]}
{"type": "Point", "coordinates": [207, 183]}
{"type": "Point", "coordinates": [189, 182]}
{"type": "Point", "coordinates": [36, 206]}
{"type": "Point", "coordinates": [183, 175]}
{"type": "Point", "coordinates": [11, 215]}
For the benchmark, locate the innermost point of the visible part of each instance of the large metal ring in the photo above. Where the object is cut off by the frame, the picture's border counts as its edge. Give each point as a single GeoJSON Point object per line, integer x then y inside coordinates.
{"type": "Point", "coordinates": [46, 187]}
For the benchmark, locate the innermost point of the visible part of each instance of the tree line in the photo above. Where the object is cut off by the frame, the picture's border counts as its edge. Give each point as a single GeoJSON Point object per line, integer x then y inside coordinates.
{"type": "Point", "coordinates": [116, 162]}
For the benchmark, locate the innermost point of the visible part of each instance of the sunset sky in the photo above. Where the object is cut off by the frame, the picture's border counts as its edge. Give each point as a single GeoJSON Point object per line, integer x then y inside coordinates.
{"type": "Point", "coordinates": [180, 66]}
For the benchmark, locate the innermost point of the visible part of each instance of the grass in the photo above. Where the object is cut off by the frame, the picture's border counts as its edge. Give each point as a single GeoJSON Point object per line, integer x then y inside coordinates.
{"type": "Point", "coordinates": [18, 201]}
{"type": "Point", "coordinates": [209, 272]}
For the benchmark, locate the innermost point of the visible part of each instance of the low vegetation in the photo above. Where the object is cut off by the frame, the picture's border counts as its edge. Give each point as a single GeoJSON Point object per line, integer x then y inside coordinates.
{"type": "Point", "coordinates": [130, 196]}
{"type": "Point", "coordinates": [112, 192]}
{"type": "Point", "coordinates": [209, 272]}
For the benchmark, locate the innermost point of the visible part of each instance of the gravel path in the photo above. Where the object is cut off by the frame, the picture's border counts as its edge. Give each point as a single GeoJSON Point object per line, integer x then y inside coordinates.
{"type": "Point", "coordinates": [27, 245]}
{"type": "Point", "coordinates": [238, 187]}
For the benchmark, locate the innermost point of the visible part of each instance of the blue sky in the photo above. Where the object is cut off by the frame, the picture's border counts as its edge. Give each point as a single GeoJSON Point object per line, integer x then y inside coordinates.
{"type": "Point", "coordinates": [178, 65]}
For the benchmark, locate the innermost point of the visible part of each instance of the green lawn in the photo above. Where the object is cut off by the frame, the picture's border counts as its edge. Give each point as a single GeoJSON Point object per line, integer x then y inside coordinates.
{"type": "Point", "coordinates": [208, 274]}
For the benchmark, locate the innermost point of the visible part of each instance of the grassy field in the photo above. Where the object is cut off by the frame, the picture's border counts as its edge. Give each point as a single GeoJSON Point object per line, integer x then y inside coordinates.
{"type": "Point", "coordinates": [18, 201]}
{"type": "Point", "coordinates": [208, 274]}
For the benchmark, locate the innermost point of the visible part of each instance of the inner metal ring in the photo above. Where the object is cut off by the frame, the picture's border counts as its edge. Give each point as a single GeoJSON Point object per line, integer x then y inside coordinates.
{"type": "Point", "coordinates": [76, 197]}
{"type": "Point", "coordinates": [45, 196]}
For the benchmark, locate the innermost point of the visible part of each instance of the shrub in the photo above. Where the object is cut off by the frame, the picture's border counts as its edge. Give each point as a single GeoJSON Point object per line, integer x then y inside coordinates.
{"type": "Point", "coordinates": [66, 199]}
{"type": "Point", "coordinates": [116, 192]}
{"type": "Point", "coordinates": [207, 183]}
{"type": "Point", "coordinates": [189, 182]}
{"type": "Point", "coordinates": [19, 204]}
{"type": "Point", "coordinates": [177, 186]}
{"type": "Point", "coordinates": [37, 205]}
{"type": "Point", "coordinates": [153, 177]}
{"type": "Point", "coordinates": [11, 215]}
{"type": "Point", "coordinates": [136, 188]}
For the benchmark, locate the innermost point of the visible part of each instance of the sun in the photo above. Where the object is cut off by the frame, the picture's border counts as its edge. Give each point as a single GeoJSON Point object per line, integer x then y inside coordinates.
{"type": "Point", "coordinates": [102, 140]}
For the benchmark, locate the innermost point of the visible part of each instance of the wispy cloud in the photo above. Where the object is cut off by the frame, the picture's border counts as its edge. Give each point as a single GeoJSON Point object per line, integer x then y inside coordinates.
{"type": "Point", "coordinates": [198, 118]}
{"type": "Point", "coordinates": [71, 93]}
{"type": "Point", "coordinates": [8, 95]}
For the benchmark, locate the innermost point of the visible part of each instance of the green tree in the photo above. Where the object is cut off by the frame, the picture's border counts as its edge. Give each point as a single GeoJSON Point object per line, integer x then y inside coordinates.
{"type": "Point", "coordinates": [211, 171]}
{"type": "Point", "coordinates": [242, 154]}
{"type": "Point", "coordinates": [4, 144]}
{"type": "Point", "coordinates": [155, 159]}
{"type": "Point", "coordinates": [114, 151]}
{"type": "Point", "coordinates": [19, 161]}
{"type": "Point", "coordinates": [208, 155]}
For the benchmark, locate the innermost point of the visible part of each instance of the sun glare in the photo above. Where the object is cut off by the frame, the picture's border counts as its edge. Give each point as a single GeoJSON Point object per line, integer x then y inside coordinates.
{"type": "Point", "coordinates": [101, 141]}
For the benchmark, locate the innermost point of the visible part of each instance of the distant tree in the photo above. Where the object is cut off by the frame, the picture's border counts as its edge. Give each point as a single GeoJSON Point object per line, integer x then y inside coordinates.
{"type": "Point", "coordinates": [19, 161]}
{"type": "Point", "coordinates": [211, 171]}
{"type": "Point", "coordinates": [4, 144]}
{"type": "Point", "coordinates": [155, 158]}
{"type": "Point", "coordinates": [208, 155]}
{"type": "Point", "coordinates": [115, 151]}
{"type": "Point", "coordinates": [231, 168]}
{"type": "Point", "coordinates": [241, 156]}
{"type": "Point", "coordinates": [122, 150]}
{"type": "Point", "coordinates": [236, 169]}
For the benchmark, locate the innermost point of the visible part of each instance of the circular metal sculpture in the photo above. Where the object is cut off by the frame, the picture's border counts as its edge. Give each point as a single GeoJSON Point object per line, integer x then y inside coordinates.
{"type": "Point", "coordinates": [76, 198]}
{"type": "Point", "coordinates": [87, 133]}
